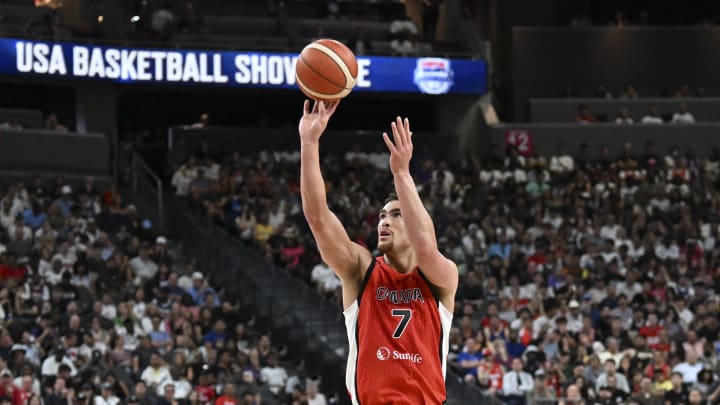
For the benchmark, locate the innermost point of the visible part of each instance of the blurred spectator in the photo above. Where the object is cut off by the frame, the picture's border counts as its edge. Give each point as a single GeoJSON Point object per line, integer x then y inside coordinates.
{"type": "Point", "coordinates": [313, 396]}
{"type": "Point", "coordinates": [517, 384]}
{"type": "Point", "coordinates": [584, 116]}
{"type": "Point", "coordinates": [580, 20]}
{"type": "Point", "coordinates": [189, 20]}
{"type": "Point", "coordinates": [629, 92]}
{"type": "Point", "coordinates": [619, 20]}
{"type": "Point", "coordinates": [273, 375]}
{"type": "Point", "coordinates": [602, 92]}
{"type": "Point", "coordinates": [652, 117]}
{"type": "Point", "coordinates": [359, 42]}
{"type": "Point", "coordinates": [202, 122]}
{"type": "Point", "coordinates": [53, 124]}
{"type": "Point", "coordinates": [162, 22]}
{"type": "Point", "coordinates": [12, 123]}
{"type": "Point", "coordinates": [683, 116]}
{"type": "Point", "coordinates": [430, 16]}
{"type": "Point", "coordinates": [624, 117]}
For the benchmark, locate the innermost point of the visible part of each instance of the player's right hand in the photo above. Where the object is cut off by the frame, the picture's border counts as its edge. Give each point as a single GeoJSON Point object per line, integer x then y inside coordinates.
{"type": "Point", "coordinates": [313, 123]}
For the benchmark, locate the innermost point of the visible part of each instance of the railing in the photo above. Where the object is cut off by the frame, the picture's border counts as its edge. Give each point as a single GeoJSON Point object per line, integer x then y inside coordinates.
{"type": "Point", "coordinates": [144, 176]}
{"type": "Point", "coordinates": [459, 390]}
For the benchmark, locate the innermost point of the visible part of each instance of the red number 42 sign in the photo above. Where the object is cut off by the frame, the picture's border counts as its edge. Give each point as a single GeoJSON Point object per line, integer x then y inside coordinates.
{"type": "Point", "coordinates": [520, 139]}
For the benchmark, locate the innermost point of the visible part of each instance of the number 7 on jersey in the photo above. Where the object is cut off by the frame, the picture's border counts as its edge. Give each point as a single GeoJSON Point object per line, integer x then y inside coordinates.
{"type": "Point", "coordinates": [406, 314]}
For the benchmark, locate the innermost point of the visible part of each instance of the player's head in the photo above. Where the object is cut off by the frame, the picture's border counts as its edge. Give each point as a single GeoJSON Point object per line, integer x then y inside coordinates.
{"type": "Point", "coordinates": [391, 228]}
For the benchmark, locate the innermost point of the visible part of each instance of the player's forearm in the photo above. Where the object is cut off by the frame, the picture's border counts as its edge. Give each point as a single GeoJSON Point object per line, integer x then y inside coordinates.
{"type": "Point", "coordinates": [312, 185]}
{"type": "Point", "coordinates": [419, 225]}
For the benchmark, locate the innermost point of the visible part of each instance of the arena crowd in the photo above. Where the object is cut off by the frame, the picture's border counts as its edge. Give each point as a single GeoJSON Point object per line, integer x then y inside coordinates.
{"type": "Point", "coordinates": [585, 277]}
{"type": "Point", "coordinates": [94, 309]}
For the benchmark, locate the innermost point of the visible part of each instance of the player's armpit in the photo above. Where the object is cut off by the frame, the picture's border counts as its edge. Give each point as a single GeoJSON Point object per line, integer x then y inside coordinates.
{"type": "Point", "coordinates": [440, 271]}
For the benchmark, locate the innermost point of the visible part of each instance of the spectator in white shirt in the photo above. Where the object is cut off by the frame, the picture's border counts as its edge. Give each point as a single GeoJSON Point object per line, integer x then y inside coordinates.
{"type": "Point", "coordinates": [574, 317]}
{"type": "Point", "coordinates": [667, 250]}
{"type": "Point", "coordinates": [181, 387]}
{"type": "Point", "coordinates": [561, 163]}
{"type": "Point", "coordinates": [683, 116]}
{"type": "Point", "coordinates": [652, 117]}
{"type": "Point", "coordinates": [273, 375]}
{"type": "Point", "coordinates": [143, 267]}
{"type": "Point", "coordinates": [602, 380]}
{"type": "Point", "coordinates": [20, 224]}
{"type": "Point", "coordinates": [624, 117]}
{"type": "Point", "coordinates": [51, 364]}
{"type": "Point", "coordinates": [313, 396]}
{"type": "Point", "coordinates": [183, 177]}
{"type": "Point", "coordinates": [517, 383]}
{"type": "Point", "coordinates": [106, 397]}
{"type": "Point", "coordinates": [689, 368]}
{"type": "Point", "coordinates": [324, 278]}
{"type": "Point", "coordinates": [156, 373]}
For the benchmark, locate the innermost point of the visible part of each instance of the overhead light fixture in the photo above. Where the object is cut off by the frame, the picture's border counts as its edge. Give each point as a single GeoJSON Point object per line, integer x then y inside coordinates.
{"type": "Point", "coordinates": [135, 18]}
{"type": "Point", "coordinates": [100, 19]}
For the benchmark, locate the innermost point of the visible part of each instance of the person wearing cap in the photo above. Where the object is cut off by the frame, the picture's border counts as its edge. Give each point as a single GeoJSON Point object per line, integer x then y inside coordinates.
{"type": "Point", "coordinates": [200, 289]}
{"type": "Point", "coordinates": [8, 389]}
{"type": "Point", "coordinates": [541, 394]}
{"type": "Point", "coordinates": [65, 202]}
{"type": "Point", "coordinates": [160, 252]}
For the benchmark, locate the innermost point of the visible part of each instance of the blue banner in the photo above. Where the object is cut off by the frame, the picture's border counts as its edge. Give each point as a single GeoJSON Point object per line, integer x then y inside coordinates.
{"type": "Point", "coordinates": [236, 69]}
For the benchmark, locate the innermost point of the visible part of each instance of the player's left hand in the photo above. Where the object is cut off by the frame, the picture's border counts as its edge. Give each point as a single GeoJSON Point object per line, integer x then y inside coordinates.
{"type": "Point", "coordinates": [402, 149]}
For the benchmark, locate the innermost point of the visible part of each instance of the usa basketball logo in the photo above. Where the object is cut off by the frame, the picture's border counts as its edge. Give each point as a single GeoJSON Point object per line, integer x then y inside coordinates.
{"type": "Point", "coordinates": [433, 75]}
{"type": "Point", "coordinates": [383, 353]}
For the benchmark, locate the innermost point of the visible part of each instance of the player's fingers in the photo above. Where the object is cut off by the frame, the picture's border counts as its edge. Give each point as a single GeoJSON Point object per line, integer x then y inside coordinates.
{"type": "Point", "coordinates": [306, 107]}
{"type": "Point", "coordinates": [316, 105]}
{"type": "Point", "coordinates": [322, 108]}
{"type": "Point", "coordinates": [396, 135]}
{"type": "Point", "coordinates": [388, 142]}
{"type": "Point", "coordinates": [334, 106]}
{"type": "Point", "coordinates": [407, 126]}
{"type": "Point", "coordinates": [401, 130]}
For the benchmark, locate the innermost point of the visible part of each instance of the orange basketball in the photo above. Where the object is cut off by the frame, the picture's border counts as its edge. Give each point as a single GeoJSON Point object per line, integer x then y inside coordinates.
{"type": "Point", "coordinates": [326, 70]}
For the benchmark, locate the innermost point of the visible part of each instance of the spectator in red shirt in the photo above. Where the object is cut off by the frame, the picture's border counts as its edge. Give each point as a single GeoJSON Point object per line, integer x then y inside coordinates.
{"type": "Point", "coordinates": [651, 332]}
{"type": "Point", "coordinates": [228, 396]}
{"type": "Point", "coordinates": [7, 389]}
{"type": "Point", "coordinates": [11, 271]}
{"type": "Point", "coordinates": [206, 394]}
{"type": "Point", "coordinates": [584, 116]}
{"type": "Point", "coordinates": [659, 363]}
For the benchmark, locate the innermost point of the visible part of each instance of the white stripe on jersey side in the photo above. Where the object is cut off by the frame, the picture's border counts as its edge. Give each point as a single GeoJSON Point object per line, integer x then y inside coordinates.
{"type": "Point", "coordinates": [445, 324]}
{"type": "Point", "coordinates": [351, 318]}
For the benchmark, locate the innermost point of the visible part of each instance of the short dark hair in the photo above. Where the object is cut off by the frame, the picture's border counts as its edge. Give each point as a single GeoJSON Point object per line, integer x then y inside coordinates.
{"type": "Point", "coordinates": [391, 197]}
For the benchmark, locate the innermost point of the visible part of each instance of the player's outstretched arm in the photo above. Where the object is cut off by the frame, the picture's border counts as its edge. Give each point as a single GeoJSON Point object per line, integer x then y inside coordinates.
{"type": "Point", "coordinates": [439, 270]}
{"type": "Point", "coordinates": [346, 258]}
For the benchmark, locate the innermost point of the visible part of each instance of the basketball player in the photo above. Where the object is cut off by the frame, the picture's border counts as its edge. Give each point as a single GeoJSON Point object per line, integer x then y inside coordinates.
{"type": "Point", "coordinates": [398, 306]}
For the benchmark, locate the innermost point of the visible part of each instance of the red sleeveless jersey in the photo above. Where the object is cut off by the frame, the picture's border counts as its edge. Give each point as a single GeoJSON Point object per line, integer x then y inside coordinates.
{"type": "Point", "coordinates": [398, 333]}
